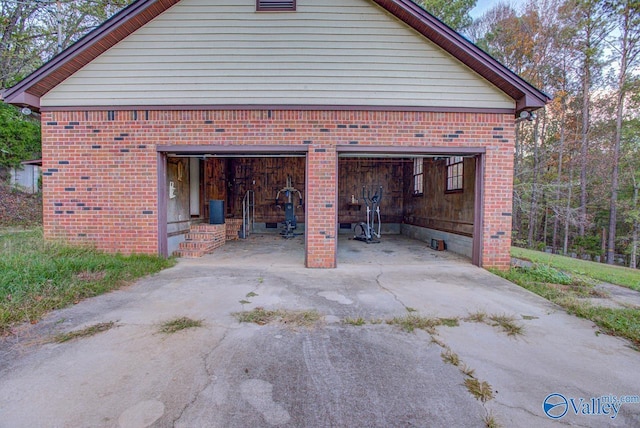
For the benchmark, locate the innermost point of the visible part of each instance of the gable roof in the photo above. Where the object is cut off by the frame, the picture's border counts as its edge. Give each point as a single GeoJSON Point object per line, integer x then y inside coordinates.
{"type": "Point", "coordinates": [29, 90]}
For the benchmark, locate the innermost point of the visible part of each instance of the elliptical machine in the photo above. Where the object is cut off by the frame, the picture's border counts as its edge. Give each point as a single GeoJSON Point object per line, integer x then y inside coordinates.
{"type": "Point", "coordinates": [369, 232]}
{"type": "Point", "coordinates": [290, 223]}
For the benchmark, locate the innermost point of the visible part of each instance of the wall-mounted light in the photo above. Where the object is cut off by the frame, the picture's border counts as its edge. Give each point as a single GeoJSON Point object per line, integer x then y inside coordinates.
{"type": "Point", "coordinates": [26, 111]}
{"type": "Point", "coordinates": [526, 115]}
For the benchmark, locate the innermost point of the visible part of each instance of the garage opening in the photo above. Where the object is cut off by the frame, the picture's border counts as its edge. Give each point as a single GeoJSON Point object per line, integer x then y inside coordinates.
{"type": "Point", "coordinates": [213, 198]}
{"type": "Point", "coordinates": [430, 197]}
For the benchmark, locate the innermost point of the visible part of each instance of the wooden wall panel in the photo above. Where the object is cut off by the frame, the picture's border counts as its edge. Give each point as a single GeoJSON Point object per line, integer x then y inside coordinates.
{"type": "Point", "coordinates": [451, 212]}
{"type": "Point", "coordinates": [353, 173]}
{"type": "Point", "coordinates": [215, 183]}
{"type": "Point", "coordinates": [230, 179]}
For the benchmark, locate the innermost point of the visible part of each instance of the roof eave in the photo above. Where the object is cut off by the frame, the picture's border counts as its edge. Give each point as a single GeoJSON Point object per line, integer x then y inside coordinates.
{"type": "Point", "coordinates": [19, 95]}
{"type": "Point", "coordinates": [22, 99]}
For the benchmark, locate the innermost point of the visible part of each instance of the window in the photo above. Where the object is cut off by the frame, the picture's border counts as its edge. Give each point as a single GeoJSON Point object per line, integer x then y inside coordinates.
{"type": "Point", "coordinates": [275, 5]}
{"type": "Point", "coordinates": [418, 176]}
{"type": "Point", "coordinates": [454, 173]}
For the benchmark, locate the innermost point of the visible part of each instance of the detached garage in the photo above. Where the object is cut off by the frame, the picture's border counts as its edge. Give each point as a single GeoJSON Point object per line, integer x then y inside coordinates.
{"type": "Point", "coordinates": [171, 104]}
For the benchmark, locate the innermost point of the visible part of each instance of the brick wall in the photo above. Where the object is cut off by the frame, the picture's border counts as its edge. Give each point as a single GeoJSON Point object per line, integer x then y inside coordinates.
{"type": "Point", "coordinates": [100, 181]}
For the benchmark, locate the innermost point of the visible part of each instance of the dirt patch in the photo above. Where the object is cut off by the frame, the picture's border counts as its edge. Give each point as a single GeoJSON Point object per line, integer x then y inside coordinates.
{"type": "Point", "coordinates": [19, 209]}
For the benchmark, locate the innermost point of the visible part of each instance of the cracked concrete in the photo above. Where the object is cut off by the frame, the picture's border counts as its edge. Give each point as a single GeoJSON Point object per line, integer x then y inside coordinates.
{"type": "Point", "coordinates": [227, 374]}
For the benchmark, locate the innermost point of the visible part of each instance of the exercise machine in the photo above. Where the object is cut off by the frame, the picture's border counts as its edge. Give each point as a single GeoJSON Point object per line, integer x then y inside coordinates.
{"type": "Point", "coordinates": [290, 223]}
{"type": "Point", "coordinates": [369, 231]}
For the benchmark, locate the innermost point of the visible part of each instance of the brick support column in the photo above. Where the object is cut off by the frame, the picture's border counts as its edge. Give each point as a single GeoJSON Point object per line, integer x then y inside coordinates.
{"type": "Point", "coordinates": [320, 207]}
{"type": "Point", "coordinates": [497, 204]}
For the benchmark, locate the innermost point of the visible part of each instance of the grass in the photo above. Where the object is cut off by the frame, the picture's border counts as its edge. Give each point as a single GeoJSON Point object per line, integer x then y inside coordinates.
{"type": "Point", "coordinates": [37, 276]}
{"type": "Point", "coordinates": [85, 332]}
{"type": "Point", "coordinates": [612, 274]}
{"type": "Point", "coordinates": [178, 324]}
{"type": "Point", "coordinates": [622, 322]}
{"type": "Point", "coordinates": [263, 316]}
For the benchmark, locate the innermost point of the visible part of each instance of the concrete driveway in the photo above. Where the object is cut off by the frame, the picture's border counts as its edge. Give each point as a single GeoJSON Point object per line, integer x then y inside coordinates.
{"type": "Point", "coordinates": [231, 374]}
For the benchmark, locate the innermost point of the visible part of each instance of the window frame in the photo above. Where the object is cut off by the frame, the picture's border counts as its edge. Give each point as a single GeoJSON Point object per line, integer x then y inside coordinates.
{"type": "Point", "coordinates": [454, 174]}
{"type": "Point", "coordinates": [418, 177]}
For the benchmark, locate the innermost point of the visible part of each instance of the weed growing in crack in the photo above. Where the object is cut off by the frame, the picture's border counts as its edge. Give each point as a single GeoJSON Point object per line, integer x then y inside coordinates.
{"type": "Point", "coordinates": [85, 332]}
{"type": "Point", "coordinates": [448, 356]}
{"type": "Point", "coordinates": [262, 316]}
{"type": "Point", "coordinates": [438, 342]}
{"type": "Point", "coordinates": [466, 370]}
{"type": "Point", "coordinates": [490, 421]}
{"type": "Point", "coordinates": [410, 309]}
{"type": "Point", "coordinates": [507, 324]}
{"type": "Point", "coordinates": [449, 322]}
{"type": "Point", "coordinates": [359, 321]}
{"type": "Point", "coordinates": [411, 322]}
{"type": "Point", "coordinates": [479, 389]}
{"type": "Point", "coordinates": [177, 324]}
{"type": "Point", "coordinates": [251, 294]}
{"type": "Point", "coordinates": [476, 317]}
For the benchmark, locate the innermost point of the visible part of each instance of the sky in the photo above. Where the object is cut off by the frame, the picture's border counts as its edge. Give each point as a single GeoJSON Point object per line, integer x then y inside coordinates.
{"type": "Point", "coordinates": [482, 6]}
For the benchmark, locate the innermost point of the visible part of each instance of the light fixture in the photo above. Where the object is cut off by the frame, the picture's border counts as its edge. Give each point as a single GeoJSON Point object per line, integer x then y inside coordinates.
{"type": "Point", "coordinates": [526, 115]}
{"type": "Point", "coordinates": [26, 111]}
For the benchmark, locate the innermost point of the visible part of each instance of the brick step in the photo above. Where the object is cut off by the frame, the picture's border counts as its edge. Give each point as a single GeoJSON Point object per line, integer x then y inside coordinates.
{"type": "Point", "coordinates": [232, 235]}
{"type": "Point", "coordinates": [189, 254]}
{"type": "Point", "coordinates": [202, 239]}
{"type": "Point", "coordinates": [198, 245]}
{"type": "Point", "coordinates": [234, 225]}
{"type": "Point", "coordinates": [208, 228]}
{"type": "Point", "coordinates": [202, 236]}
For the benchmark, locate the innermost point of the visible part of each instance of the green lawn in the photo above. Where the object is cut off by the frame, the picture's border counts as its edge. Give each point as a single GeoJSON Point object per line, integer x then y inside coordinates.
{"type": "Point", "coordinates": [567, 282]}
{"type": "Point", "coordinates": [612, 274]}
{"type": "Point", "coordinates": [38, 276]}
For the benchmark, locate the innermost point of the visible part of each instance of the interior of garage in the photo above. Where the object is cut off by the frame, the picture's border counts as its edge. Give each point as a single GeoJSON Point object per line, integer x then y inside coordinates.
{"type": "Point", "coordinates": [415, 200]}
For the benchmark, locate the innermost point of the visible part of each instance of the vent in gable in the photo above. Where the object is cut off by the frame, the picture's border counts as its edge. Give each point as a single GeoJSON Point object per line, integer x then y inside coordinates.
{"type": "Point", "coordinates": [275, 5]}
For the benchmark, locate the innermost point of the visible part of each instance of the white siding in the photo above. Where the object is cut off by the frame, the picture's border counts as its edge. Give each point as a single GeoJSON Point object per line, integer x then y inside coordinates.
{"type": "Point", "coordinates": [335, 52]}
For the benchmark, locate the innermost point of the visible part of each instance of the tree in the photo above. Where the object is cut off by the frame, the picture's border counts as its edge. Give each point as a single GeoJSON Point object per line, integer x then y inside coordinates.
{"type": "Point", "coordinates": [19, 48]}
{"type": "Point", "coordinates": [587, 24]}
{"type": "Point", "coordinates": [29, 31]}
{"type": "Point", "coordinates": [19, 136]}
{"type": "Point", "coordinates": [454, 13]}
{"type": "Point", "coordinates": [627, 13]}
